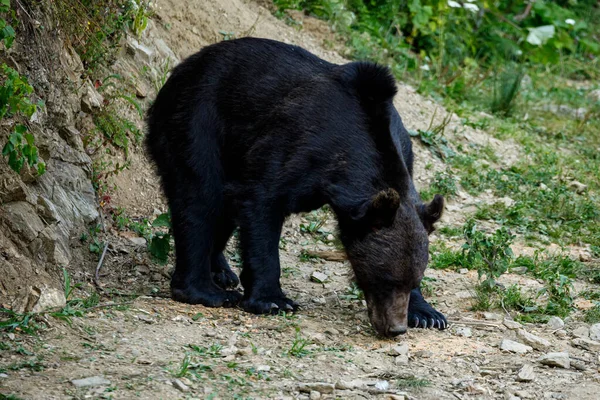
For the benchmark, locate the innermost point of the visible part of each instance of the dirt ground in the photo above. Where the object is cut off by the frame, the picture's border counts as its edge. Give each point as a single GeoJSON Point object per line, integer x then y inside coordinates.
{"type": "Point", "coordinates": [154, 348]}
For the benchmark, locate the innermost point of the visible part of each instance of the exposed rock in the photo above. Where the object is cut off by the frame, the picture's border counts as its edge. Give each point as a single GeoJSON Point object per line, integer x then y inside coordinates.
{"type": "Point", "coordinates": [49, 298]}
{"type": "Point", "coordinates": [586, 344]}
{"type": "Point", "coordinates": [526, 373]}
{"type": "Point", "coordinates": [514, 347]}
{"type": "Point", "coordinates": [91, 381]}
{"type": "Point", "coordinates": [534, 341]}
{"type": "Point", "coordinates": [72, 136]}
{"type": "Point", "coordinates": [510, 324]}
{"type": "Point", "coordinates": [138, 51]}
{"type": "Point", "coordinates": [314, 395]}
{"type": "Point", "coordinates": [382, 385]}
{"type": "Point", "coordinates": [91, 100]}
{"type": "Point", "coordinates": [556, 360]}
{"type": "Point", "coordinates": [595, 332]}
{"type": "Point", "coordinates": [22, 219]}
{"type": "Point", "coordinates": [555, 323]}
{"type": "Point", "coordinates": [321, 387]}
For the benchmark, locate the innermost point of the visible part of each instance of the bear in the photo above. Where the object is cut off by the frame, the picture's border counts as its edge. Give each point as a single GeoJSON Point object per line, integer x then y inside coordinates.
{"type": "Point", "coordinates": [248, 131]}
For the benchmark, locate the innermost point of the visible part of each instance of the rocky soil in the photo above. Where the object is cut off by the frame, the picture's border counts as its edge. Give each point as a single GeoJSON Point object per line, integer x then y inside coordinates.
{"type": "Point", "coordinates": [152, 347]}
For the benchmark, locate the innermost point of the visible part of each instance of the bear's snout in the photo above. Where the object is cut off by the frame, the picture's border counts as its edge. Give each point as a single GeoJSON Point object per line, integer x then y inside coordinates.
{"type": "Point", "coordinates": [389, 312]}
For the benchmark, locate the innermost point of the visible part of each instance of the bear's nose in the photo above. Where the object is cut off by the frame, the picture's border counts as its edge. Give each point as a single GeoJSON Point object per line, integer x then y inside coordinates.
{"type": "Point", "coordinates": [397, 330]}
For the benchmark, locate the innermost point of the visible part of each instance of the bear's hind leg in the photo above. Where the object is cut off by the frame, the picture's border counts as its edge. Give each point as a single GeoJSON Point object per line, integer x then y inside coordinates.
{"type": "Point", "coordinates": [260, 231]}
{"type": "Point", "coordinates": [194, 225]}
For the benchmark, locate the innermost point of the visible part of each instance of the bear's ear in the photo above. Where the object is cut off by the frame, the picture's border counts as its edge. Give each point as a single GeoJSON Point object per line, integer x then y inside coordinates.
{"type": "Point", "coordinates": [374, 83]}
{"type": "Point", "coordinates": [431, 212]}
{"type": "Point", "coordinates": [379, 211]}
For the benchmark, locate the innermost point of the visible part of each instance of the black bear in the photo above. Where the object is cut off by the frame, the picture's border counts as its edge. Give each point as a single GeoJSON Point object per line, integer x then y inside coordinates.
{"type": "Point", "coordinates": [248, 131]}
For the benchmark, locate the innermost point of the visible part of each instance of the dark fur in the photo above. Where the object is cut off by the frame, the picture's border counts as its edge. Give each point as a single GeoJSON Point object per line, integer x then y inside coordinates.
{"type": "Point", "coordinates": [248, 131]}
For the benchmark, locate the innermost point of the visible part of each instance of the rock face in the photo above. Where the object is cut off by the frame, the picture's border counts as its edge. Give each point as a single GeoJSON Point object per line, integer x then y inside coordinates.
{"type": "Point", "coordinates": [39, 215]}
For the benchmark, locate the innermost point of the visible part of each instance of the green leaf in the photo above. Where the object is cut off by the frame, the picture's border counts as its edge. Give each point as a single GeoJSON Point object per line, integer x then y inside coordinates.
{"type": "Point", "coordinates": [160, 247]}
{"type": "Point", "coordinates": [162, 221]}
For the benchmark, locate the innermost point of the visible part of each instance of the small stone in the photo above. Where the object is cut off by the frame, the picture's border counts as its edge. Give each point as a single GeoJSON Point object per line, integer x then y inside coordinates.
{"type": "Point", "coordinates": [396, 397]}
{"type": "Point", "coordinates": [423, 354]}
{"type": "Point", "coordinates": [322, 387]}
{"type": "Point", "coordinates": [519, 270]}
{"type": "Point", "coordinates": [464, 332]}
{"type": "Point", "coordinates": [464, 294]}
{"type": "Point", "coordinates": [401, 360]}
{"type": "Point", "coordinates": [526, 373]}
{"type": "Point", "coordinates": [510, 324]}
{"type": "Point", "coordinates": [314, 395]}
{"type": "Point", "coordinates": [263, 368]}
{"type": "Point", "coordinates": [463, 271]}
{"type": "Point", "coordinates": [330, 237]}
{"type": "Point", "coordinates": [382, 385]}
{"type": "Point", "coordinates": [578, 365]}
{"type": "Point", "coordinates": [398, 350]}
{"type": "Point", "coordinates": [146, 319]}
{"type": "Point", "coordinates": [180, 385]}
{"type": "Point", "coordinates": [231, 350]}
{"type": "Point", "coordinates": [556, 360]}
{"type": "Point", "coordinates": [586, 344]}
{"type": "Point", "coordinates": [595, 332]}
{"type": "Point", "coordinates": [523, 394]}
{"type": "Point", "coordinates": [332, 331]}
{"type": "Point", "coordinates": [3, 375]}
{"type": "Point", "coordinates": [492, 316]}
{"type": "Point", "coordinates": [514, 347]}
{"type": "Point", "coordinates": [581, 332]}
{"type": "Point", "coordinates": [318, 277]}
{"type": "Point", "coordinates": [91, 381]}
{"type": "Point", "coordinates": [555, 323]}
{"type": "Point", "coordinates": [138, 241]}
{"type": "Point", "coordinates": [534, 341]}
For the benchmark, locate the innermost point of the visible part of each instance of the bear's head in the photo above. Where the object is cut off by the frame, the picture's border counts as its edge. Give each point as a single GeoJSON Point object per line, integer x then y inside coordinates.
{"type": "Point", "coordinates": [389, 251]}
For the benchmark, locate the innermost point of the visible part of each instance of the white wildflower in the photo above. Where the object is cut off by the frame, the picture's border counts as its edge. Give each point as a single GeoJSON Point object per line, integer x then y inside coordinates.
{"type": "Point", "coordinates": [471, 7]}
{"type": "Point", "coordinates": [454, 4]}
{"type": "Point", "coordinates": [570, 21]}
{"type": "Point", "coordinates": [425, 67]}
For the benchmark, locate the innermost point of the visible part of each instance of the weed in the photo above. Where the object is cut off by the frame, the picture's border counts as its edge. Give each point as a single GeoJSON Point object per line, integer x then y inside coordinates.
{"type": "Point", "coordinates": [18, 322]}
{"type": "Point", "coordinates": [483, 297]}
{"type": "Point", "coordinates": [412, 383]}
{"type": "Point", "coordinates": [433, 137]}
{"type": "Point", "coordinates": [512, 299]}
{"type": "Point", "coordinates": [214, 351]}
{"type": "Point", "coordinates": [184, 367]}
{"type": "Point", "coordinates": [353, 293]}
{"type": "Point", "coordinates": [592, 316]}
{"type": "Point", "coordinates": [489, 254]}
{"type": "Point", "coordinates": [299, 344]}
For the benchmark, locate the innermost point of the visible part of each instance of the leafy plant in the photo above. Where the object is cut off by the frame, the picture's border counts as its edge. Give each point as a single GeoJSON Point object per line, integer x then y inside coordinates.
{"type": "Point", "coordinates": [299, 344]}
{"type": "Point", "coordinates": [160, 243]}
{"type": "Point", "coordinates": [490, 254]}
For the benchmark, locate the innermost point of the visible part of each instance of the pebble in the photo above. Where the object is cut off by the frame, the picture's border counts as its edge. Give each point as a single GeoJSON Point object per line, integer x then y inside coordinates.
{"type": "Point", "coordinates": [555, 323]}
{"type": "Point", "coordinates": [595, 332]}
{"type": "Point", "coordinates": [321, 387]}
{"type": "Point", "coordinates": [398, 350]}
{"type": "Point", "coordinates": [423, 354]}
{"type": "Point", "coordinates": [464, 332]}
{"type": "Point", "coordinates": [514, 347]}
{"type": "Point", "coordinates": [401, 360]}
{"type": "Point", "coordinates": [382, 385]}
{"type": "Point", "coordinates": [91, 381]}
{"type": "Point", "coordinates": [556, 360]}
{"type": "Point", "coordinates": [526, 373]}
{"type": "Point", "coordinates": [586, 344]}
{"type": "Point", "coordinates": [581, 332]}
{"type": "Point", "coordinates": [534, 341]}
{"type": "Point", "coordinates": [263, 368]}
{"type": "Point", "coordinates": [314, 395]}
{"type": "Point", "coordinates": [318, 277]}
{"type": "Point", "coordinates": [138, 241]}
{"type": "Point", "coordinates": [3, 375]}
{"type": "Point", "coordinates": [510, 324]}
{"type": "Point", "coordinates": [332, 331]}
{"type": "Point", "coordinates": [463, 271]}
{"type": "Point", "coordinates": [492, 316]}
{"type": "Point", "coordinates": [180, 385]}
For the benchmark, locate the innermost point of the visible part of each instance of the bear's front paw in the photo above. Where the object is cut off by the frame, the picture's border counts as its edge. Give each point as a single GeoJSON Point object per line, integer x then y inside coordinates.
{"type": "Point", "coordinates": [422, 315]}
{"type": "Point", "coordinates": [268, 305]}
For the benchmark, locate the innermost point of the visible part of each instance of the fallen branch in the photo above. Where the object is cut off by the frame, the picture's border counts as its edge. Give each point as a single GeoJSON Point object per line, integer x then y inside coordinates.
{"type": "Point", "coordinates": [97, 274]}
{"type": "Point", "coordinates": [333, 255]}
